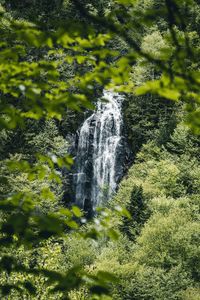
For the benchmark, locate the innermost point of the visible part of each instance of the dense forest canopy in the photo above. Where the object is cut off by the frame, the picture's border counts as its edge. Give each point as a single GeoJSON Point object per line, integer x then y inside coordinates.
{"type": "Point", "coordinates": [56, 58]}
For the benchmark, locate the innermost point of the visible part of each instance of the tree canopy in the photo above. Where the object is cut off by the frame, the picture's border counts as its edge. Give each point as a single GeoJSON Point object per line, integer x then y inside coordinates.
{"type": "Point", "coordinates": [55, 57]}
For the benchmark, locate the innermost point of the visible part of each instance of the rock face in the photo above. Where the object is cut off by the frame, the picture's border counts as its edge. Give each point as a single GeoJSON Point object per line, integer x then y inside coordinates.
{"type": "Point", "coordinates": [99, 163]}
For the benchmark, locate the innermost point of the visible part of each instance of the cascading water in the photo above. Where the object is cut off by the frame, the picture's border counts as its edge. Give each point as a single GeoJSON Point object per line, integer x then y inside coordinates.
{"type": "Point", "coordinates": [99, 139]}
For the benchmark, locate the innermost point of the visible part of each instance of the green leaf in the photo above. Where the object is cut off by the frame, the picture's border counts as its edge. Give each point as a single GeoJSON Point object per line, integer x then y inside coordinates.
{"type": "Point", "coordinates": [77, 212]}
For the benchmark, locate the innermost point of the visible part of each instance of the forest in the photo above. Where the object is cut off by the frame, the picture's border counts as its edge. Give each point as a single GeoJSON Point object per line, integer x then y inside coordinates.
{"type": "Point", "coordinates": [100, 149]}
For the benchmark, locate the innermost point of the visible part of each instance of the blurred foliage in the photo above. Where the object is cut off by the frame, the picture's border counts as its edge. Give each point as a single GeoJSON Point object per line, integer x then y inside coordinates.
{"type": "Point", "coordinates": [55, 58]}
{"type": "Point", "coordinates": [32, 208]}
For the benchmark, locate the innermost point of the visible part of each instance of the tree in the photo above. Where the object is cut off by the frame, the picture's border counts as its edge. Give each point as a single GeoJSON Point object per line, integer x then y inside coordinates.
{"type": "Point", "coordinates": [139, 214]}
{"type": "Point", "coordinates": [32, 86]}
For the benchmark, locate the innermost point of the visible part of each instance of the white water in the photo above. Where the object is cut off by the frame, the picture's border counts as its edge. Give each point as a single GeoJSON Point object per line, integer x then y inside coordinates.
{"type": "Point", "coordinates": [99, 138]}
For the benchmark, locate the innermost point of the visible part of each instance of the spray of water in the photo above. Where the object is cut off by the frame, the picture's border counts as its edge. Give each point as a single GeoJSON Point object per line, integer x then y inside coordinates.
{"type": "Point", "coordinates": [99, 138]}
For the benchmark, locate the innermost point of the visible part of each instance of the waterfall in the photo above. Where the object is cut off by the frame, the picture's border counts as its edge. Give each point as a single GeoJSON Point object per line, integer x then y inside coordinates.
{"type": "Point", "coordinates": [97, 153]}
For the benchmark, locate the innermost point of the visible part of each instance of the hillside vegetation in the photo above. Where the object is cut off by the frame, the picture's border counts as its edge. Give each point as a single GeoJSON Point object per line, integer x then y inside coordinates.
{"type": "Point", "coordinates": [56, 58]}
